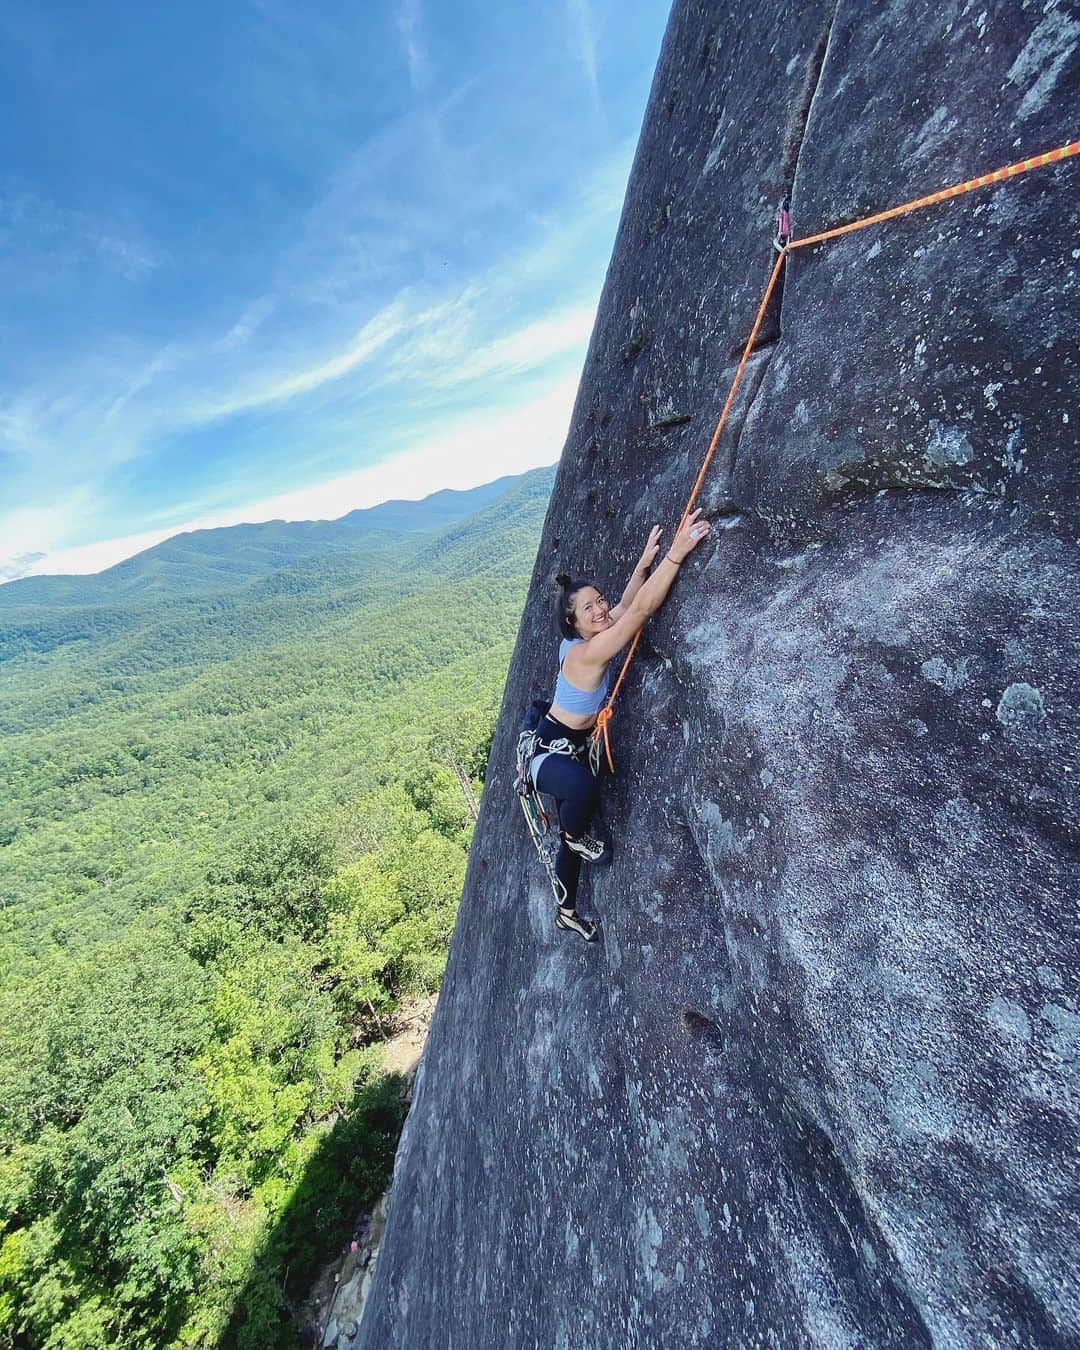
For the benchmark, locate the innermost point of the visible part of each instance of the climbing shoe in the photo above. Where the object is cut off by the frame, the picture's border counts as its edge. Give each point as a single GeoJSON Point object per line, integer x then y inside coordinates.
{"type": "Point", "coordinates": [592, 850]}
{"type": "Point", "coordinates": [573, 923]}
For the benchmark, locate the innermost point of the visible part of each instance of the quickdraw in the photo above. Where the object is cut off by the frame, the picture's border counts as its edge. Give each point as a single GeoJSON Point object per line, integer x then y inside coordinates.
{"type": "Point", "coordinates": [536, 818]}
{"type": "Point", "coordinates": [783, 225]}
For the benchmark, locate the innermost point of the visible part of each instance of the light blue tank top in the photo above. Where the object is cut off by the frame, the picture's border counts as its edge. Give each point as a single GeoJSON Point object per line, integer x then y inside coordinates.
{"type": "Point", "coordinates": [568, 696]}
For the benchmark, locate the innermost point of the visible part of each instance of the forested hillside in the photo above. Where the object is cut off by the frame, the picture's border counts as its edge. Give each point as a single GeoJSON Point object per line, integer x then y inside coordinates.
{"type": "Point", "coordinates": [230, 556]}
{"type": "Point", "coordinates": [233, 839]}
{"type": "Point", "coordinates": [39, 613]}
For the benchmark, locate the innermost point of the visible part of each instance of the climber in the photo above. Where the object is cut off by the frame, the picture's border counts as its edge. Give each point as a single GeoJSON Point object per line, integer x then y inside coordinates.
{"type": "Point", "coordinates": [592, 635]}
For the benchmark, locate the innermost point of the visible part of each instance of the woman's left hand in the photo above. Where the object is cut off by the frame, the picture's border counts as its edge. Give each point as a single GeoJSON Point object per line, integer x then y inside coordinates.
{"type": "Point", "coordinates": [652, 548]}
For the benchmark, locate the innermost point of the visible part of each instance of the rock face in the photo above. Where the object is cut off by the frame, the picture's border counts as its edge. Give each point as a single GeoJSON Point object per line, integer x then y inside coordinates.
{"type": "Point", "coordinates": [817, 1083]}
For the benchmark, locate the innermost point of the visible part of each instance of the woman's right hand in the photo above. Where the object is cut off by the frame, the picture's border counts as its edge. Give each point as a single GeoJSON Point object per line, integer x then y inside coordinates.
{"type": "Point", "coordinates": [693, 531]}
{"type": "Point", "coordinates": [599, 650]}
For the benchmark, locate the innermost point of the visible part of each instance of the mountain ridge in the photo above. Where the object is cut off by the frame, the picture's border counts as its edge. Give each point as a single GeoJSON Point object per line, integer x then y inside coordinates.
{"type": "Point", "coordinates": [27, 628]}
{"type": "Point", "coordinates": [220, 558]}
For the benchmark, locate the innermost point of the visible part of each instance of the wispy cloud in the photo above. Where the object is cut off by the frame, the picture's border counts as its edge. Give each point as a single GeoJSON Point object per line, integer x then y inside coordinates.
{"type": "Point", "coordinates": [132, 258]}
{"type": "Point", "coordinates": [381, 329]}
{"type": "Point", "coordinates": [401, 232]}
{"type": "Point", "coordinates": [394, 210]}
{"type": "Point", "coordinates": [255, 314]}
{"type": "Point", "coordinates": [159, 364]}
{"type": "Point", "coordinates": [409, 23]}
{"type": "Point", "coordinates": [19, 566]}
{"type": "Point", "coordinates": [471, 449]}
{"type": "Point", "coordinates": [516, 329]}
{"type": "Point", "coordinates": [583, 44]}
{"type": "Point", "coordinates": [41, 241]}
{"type": "Point", "coordinates": [525, 349]}
{"type": "Point", "coordinates": [419, 265]}
{"type": "Point", "coordinates": [23, 530]}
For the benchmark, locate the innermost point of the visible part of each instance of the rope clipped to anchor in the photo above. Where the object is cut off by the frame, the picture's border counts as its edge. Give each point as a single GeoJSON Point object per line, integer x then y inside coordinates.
{"type": "Point", "coordinates": [601, 734]}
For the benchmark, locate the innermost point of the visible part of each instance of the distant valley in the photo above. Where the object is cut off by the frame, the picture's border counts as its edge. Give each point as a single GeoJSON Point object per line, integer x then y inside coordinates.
{"type": "Point", "coordinates": [239, 770]}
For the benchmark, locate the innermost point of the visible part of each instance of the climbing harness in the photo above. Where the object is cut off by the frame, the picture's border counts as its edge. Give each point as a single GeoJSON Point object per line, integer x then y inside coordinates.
{"type": "Point", "coordinates": [529, 745]}
{"type": "Point", "coordinates": [594, 757]}
{"type": "Point", "coordinates": [540, 832]}
{"type": "Point", "coordinates": [536, 818]}
{"type": "Point", "coordinates": [601, 734]}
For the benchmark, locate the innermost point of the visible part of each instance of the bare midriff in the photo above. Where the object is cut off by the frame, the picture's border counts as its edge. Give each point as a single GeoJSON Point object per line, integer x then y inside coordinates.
{"type": "Point", "coordinates": [575, 721]}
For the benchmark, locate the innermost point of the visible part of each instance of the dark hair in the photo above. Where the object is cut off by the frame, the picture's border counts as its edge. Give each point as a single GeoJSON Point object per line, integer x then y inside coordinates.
{"type": "Point", "coordinates": [564, 603]}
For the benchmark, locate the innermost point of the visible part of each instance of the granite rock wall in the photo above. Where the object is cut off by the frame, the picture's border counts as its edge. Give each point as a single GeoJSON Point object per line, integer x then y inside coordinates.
{"type": "Point", "coordinates": [817, 1083]}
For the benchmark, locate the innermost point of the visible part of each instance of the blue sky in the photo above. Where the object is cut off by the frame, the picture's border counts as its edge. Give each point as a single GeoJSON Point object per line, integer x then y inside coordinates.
{"type": "Point", "coordinates": [265, 259]}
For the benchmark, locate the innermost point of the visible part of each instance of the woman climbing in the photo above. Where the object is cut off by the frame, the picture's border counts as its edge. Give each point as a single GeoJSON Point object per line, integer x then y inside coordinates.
{"type": "Point", "coordinates": [592, 635]}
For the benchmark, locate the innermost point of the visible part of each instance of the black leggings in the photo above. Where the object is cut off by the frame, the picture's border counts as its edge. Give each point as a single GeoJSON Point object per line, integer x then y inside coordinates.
{"type": "Point", "coordinates": [577, 795]}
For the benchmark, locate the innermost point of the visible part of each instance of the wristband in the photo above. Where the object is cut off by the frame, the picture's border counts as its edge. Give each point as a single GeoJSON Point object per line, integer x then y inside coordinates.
{"type": "Point", "coordinates": [670, 559]}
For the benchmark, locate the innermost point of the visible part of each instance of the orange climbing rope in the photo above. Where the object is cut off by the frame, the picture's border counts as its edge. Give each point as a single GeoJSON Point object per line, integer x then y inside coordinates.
{"type": "Point", "coordinates": [957, 190]}
{"type": "Point", "coordinates": [600, 732]}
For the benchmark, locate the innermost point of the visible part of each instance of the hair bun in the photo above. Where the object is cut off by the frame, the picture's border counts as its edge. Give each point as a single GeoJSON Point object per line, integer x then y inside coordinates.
{"type": "Point", "coordinates": [562, 580]}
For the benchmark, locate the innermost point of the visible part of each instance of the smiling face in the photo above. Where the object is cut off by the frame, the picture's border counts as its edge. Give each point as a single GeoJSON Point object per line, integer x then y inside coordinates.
{"type": "Point", "coordinates": [591, 613]}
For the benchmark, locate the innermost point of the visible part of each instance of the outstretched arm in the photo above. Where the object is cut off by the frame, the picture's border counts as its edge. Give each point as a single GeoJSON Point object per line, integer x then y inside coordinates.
{"type": "Point", "coordinates": [598, 651]}
{"type": "Point", "coordinates": [639, 574]}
